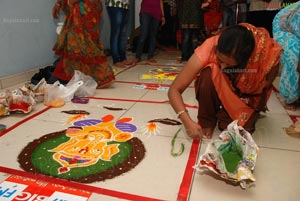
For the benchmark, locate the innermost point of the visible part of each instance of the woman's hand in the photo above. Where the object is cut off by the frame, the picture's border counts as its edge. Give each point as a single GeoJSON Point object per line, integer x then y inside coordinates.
{"type": "Point", "coordinates": [204, 5]}
{"type": "Point", "coordinates": [193, 130]}
{"type": "Point", "coordinates": [163, 21]}
{"type": "Point", "coordinates": [179, 85]}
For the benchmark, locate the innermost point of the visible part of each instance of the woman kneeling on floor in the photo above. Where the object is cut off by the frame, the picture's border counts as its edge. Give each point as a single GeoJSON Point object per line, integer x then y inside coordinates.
{"type": "Point", "coordinates": [233, 75]}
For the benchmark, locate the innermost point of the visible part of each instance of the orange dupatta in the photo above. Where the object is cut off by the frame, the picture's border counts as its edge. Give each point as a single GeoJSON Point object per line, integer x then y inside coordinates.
{"type": "Point", "coordinates": [251, 81]}
{"type": "Point", "coordinates": [265, 56]}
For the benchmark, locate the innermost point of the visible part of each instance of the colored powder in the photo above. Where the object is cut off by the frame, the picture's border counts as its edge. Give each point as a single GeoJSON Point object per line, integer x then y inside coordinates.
{"type": "Point", "coordinates": [231, 160]}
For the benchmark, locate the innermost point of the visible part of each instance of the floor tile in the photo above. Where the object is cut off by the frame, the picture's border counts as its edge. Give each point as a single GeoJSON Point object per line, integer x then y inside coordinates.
{"type": "Point", "coordinates": [269, 133]}
{"type": "Point", "coordinates": [160, 175]}
{"type": "Point", "coordinates": [277, 179]}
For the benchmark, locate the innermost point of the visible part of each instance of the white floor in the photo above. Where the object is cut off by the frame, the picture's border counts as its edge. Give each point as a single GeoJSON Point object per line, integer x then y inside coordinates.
{"type": "Point", "coordinates": [161, 176]}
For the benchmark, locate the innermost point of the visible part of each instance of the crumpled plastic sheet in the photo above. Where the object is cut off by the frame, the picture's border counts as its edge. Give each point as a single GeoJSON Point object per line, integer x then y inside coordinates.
{"type": "Point", "coordinates": [237, 141]}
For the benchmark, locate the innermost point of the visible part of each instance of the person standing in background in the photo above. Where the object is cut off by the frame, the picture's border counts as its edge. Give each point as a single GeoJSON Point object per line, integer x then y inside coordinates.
{"type": "Point", "coordinates": [286, 31]}
{"type": "Point", "coordinates": [151, 15]}
{"type": "Point", "coordinates": [191, 22]}
{"type": "Point", "coordinates": [78, 44]}
{"type": "Point", "coordinates": [229, 12]}
{"type": "Point", "coordinates": [242, 10]}
{"type": "Point", "coordinates": [262, 12]}
{"type": "Point", "coordinates": [118, 11]}
{"type": "Point", "coordinates": [167, 34]}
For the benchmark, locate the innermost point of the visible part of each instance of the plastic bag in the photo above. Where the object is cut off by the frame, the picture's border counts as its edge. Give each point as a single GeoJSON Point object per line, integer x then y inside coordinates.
{"type": "Point", "coordinates": [89, 84]}
{"type": "Point", "coordinates": [5, 99]}
{"type": "Point", "coordinates": [22, 100]}
{"type": "Point", "coordinates": [232, 157]}
{"type": "Point", "coordinates": [39, 90]}
{"type": "Point", "coordinates": [56, 94]}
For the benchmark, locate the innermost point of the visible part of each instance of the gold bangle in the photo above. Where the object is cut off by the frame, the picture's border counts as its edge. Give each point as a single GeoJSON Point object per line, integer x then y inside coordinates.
{"type": "Point", "coordinates": [181, 112]}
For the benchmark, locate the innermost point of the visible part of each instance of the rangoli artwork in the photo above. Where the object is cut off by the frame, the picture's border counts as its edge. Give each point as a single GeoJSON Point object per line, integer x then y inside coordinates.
{"type": "Point", "coordinates": [88, 151]}
{"type": "Point", "coordinates": [162, 74]}
{"type": "Point", "coordinates": [158, 76]}
{"type": "Point", "coordinates": [151, 87]}
{"type": "Point", "coordinates": [152, 128]}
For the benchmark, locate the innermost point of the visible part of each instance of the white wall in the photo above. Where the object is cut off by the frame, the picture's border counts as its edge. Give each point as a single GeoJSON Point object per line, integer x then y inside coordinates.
{"type": "Point", "coordinates": [137, 11]}
{"type": "Point", "coordinates": [27, 35]}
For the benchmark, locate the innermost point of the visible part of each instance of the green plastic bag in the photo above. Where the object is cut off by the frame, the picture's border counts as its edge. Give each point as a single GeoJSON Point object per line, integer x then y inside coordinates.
{"type": "Point", "coordinates": [232, 156]}
{"type": "Point", "coordinates": [232, 153]}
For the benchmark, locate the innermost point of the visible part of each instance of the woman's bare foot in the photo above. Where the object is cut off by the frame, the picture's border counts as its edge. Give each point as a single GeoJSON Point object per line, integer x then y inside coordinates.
{"type": "Point", "coordinates": [119, 65]}
{"type": "Point", "coordinates": [207, 133]}
{"type": "Point", "coordinates": [292, 106]}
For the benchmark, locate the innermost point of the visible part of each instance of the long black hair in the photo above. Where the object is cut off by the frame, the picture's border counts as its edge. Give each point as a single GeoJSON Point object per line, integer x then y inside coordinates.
{"type": "Point", "coordinates": [237, 42]}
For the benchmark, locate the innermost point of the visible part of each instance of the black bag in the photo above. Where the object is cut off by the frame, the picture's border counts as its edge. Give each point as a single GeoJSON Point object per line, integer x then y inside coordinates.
{"type": "Point", "coordinates": [43, 73]}
{"type": "Point", "coordinates": [47, 73]}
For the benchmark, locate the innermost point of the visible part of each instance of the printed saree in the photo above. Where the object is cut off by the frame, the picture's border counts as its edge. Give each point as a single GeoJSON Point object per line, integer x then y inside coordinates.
{"type": "Point", "coordinates": [79, 45]}
{"type": "Point", "coordinates": [250, 82]}
{"type": "Point", "coordinates": [286, 31]}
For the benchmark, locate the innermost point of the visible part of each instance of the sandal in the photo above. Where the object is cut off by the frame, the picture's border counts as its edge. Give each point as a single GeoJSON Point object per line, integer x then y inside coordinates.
{"type": "Point", "coordinates": [135, 61]}
{"type": "Point", "coordinates": [151, 61]}
{"type": "Point", "coordinates": [127, 63]}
